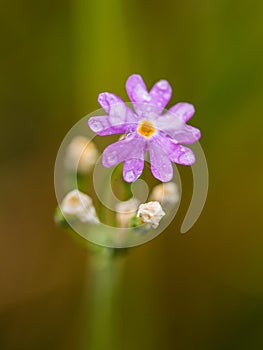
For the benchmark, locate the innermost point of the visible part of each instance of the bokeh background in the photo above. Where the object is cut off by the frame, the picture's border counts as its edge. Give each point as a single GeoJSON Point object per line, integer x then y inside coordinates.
{"type": "Point", "coordinates": [202, 290]}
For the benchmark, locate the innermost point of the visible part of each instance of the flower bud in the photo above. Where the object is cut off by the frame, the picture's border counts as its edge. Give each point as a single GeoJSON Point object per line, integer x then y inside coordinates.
{"type": "Point", "coordinates": [79, 205]}
{"type": "Point", "coordinates": [165, 193]}
{"type": "Point", "coordinates": [151, 213]}
{"type": "Point", "coordinates": [125, 211]}
{"type": "Point", "coordinates": [81, 155]}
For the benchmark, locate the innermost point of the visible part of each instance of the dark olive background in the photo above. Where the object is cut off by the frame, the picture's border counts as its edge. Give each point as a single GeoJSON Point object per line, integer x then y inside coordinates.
{"type": "Point", "coordinates": [202, 290]}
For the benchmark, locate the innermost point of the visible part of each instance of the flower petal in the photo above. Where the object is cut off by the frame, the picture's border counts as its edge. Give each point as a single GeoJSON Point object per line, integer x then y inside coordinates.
{"type": "Point", "coordinates": [132, 169]}
{"type": "Point", "coordinates": [160, 163]}
{"type": "Point", "coordinates": [176, 153]}
{"type": "Point", "coordinates": [106, 100]}
{"type": "Point", "coordinates": [145, 102]}
{"type": "Point", "coordinates": [117, 110]}
{"type": "Point", "coordinates": [180, 132]}
{"type": "Point", "coordinates": [131, 147]}
{"type": "Point", "coordinates": [173, 124]}
{"type": "Point", "coordinates": [187, 134]}
{"type": "Point", "coordinates": [183, 110]}
{"type": "Point", "coordinates": [182, 155]}
{"type": "Point", "coordinates": [121, 118]}
{"type": "Point", "coordinates": [141, 99]}
{"type": "Point", "coordinates": [136, 89]}
{"type": "Point", "coordinates": [103, 126]}
{"type": "Point", "coordinates": [161, 94]}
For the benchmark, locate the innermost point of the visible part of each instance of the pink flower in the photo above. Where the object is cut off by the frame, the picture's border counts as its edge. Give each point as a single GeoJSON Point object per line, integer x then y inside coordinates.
{"type": "Point", "coordinates": [146, 128]}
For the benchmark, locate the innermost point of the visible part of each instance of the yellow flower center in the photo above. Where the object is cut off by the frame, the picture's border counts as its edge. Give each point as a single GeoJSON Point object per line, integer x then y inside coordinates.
{"type": "Point", "coordinates": [146, 128]}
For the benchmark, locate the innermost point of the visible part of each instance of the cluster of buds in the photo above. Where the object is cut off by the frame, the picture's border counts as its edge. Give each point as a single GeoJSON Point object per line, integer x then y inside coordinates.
{"type": "Point", "coordinates": [132, 214]}
{"type": "Point", "coordinates": [81, 156]}
{"type": "Point", "coordinates": [79, 206]}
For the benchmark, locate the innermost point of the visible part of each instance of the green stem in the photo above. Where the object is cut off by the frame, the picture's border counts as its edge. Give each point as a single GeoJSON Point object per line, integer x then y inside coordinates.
{"type": "Point", "coordinates": [104, 295]}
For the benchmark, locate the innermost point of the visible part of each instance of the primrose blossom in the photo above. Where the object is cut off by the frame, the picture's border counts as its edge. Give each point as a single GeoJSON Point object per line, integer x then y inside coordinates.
{"type": "Point", "coordinates": [146, 128]}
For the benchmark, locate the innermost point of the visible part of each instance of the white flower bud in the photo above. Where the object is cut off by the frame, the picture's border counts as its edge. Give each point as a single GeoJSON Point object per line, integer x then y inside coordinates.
{"type": "Point", "coordinates": [125, 211]}
{"type": "Point", "coordinates": [165, 193]}
{"type": "Point", "coordinates": [81, 155]}
{"type": "Point", "coordinates": [151, 213]}
{"type": "Point", "coordinates": [78, 204]}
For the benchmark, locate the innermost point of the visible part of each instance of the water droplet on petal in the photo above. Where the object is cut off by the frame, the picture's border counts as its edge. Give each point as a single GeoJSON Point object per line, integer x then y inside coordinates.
{"type": "Point", "coordinates": [118, 113]}
{"type": "Point", "coordinates": [130, 176]}
{"type": "Point", "coordinates": [112, 99]}
{"type": "Point", "coordinates": [146, 96]}
{"type": "Point", "coordinates": [112, 158]}
{"type": "Point", "coordinates": [141, 94]}
{"type": "Point", "coordinates": [162, 84]}
{"type": "Point", "coordinates": [187, 158]}
{"type": "Point", "coordinates": [96, 126]}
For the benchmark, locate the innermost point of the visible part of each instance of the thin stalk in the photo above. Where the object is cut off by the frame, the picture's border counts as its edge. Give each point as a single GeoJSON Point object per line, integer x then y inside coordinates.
{"type": "Point", "coordinates": [103, 307]}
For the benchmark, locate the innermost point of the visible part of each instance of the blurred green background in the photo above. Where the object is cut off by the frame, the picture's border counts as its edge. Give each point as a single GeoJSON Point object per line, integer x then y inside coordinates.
{"type": "Point", "coordinates": [202, 290]}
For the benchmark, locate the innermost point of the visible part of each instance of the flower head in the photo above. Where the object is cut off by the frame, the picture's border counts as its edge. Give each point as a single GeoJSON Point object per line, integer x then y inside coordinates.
{"type": "Point", "coordinates": [79, 205]}
{"type": "Point", "coordinates": [147, 128]}
{"type": "Point", "coordinates": [151, 213]}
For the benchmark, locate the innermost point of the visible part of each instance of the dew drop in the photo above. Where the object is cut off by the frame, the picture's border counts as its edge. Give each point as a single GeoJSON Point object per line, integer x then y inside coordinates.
{"type": "Point", "coordinates": [118, 113]}
{"type": "Point", "coordinates": [130, 176]}
{"type": "Point", "coordinates": [162, 84]}
{"type": "Point", "coordinates": [166, 96]}
{"type": "Point", "coordinates": [141, 94]}
{"type": "Point", "coordinates": [102, 98]}
{"type": "Point", "coordinates": [112, 158]}
{"type": "Point", "coordinates": [187, 158]}
{"type": "Point", "coordinates": [111, 99]}
{"type": "Point", "coordinates": [146, 96]}
{"type": "Point", "coordinates": [96, 126]}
